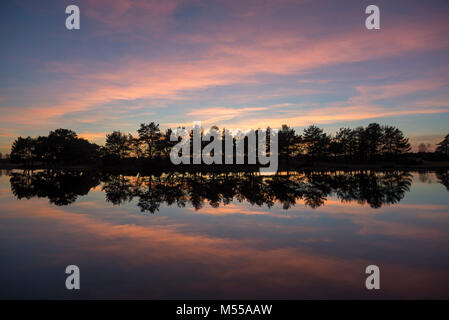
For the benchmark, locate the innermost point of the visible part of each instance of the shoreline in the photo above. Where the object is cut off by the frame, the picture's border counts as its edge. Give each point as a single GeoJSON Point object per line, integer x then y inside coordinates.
{"type": "Point", "coordinates": [320, 166]}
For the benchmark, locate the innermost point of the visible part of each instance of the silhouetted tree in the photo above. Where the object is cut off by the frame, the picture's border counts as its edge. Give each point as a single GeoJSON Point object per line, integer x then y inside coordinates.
{"type": "Point", "coordinates": [316, 141]}
{"type": "Point", "coordinates": [345, 137]}
{"type": "Point", "coordinates": [60, 146]}
{"type": "Point", "coordinates": [443, 146]}
{"type": "Point", "coordinates": [394, 142]}
{"type": "Point", "coordinates": [373, 140]}
{"type": "Point", "coordinates": [23, 150]}
{"type": "Point", "coordinates": [336, 148]}
{"type": "Point", "coordinates": [61, 142]}
{"type": "Point", "coordinates": [118, 145]}
{"type": "Point", "coordinates": [287, 142]}
{"type": "Point", "coordinates": [165, 144]}
{"type": "Point", "coordinates": [150, 134]}
{"type": "Point", "coordinates": [360, 143]}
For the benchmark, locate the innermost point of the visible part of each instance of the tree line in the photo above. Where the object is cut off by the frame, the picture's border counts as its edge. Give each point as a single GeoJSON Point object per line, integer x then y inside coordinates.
{"type": "Point", "coordinates": [374, 142]}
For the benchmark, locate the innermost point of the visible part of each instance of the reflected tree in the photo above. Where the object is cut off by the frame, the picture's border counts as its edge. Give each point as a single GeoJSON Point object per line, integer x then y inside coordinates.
{"type": "Point", "coordinates": [60, 187]}
{"type": "Point", "coordinates": [443, 178]}
{"type": "Point", "coordinates": [196, 189]}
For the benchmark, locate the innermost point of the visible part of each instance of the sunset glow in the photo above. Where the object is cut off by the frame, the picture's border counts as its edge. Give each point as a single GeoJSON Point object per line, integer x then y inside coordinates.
{"type": "Point", "coordinates": [226, 63]}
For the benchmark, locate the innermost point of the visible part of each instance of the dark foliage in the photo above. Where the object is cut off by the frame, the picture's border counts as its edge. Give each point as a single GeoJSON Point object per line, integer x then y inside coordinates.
{"type": "Point", "coordinates": [174, 188]}
{"type": "Point", "coordinates": [374, 143]}
{"type": "Point", "coordinates": [61, 146]}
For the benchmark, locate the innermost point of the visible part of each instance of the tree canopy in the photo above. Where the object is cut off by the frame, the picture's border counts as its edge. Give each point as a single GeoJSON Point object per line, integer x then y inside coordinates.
{"type": "Point", "coordinates": [374, 142]}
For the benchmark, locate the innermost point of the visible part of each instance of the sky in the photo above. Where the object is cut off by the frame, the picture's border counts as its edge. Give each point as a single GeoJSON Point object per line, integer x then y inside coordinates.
{"type": "Point", "coordinates": [235, 64]}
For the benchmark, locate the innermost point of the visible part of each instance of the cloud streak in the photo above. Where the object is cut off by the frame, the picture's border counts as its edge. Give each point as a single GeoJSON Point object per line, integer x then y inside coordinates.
{"type": "Point", "coordinates": [248, 51]}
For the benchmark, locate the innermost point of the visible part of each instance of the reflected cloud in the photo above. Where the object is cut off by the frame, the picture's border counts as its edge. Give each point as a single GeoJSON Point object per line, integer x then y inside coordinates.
{"type": "Point", "coordinates": [251, 255]}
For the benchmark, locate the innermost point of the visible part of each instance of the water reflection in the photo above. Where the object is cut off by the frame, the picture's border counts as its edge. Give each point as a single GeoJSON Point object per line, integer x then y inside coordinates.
{"type": "Point", "coordinates": [234, 247]}
{"type": "Point", "coordinates": [60, 187]}
{"type": "Point", "coordinates": [443, 178]}
{"type": "Point", "coordinates": [195, 189]}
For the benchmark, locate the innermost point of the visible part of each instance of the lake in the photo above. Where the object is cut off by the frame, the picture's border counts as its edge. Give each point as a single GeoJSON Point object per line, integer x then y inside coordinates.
{"type": "Point", "coordinates": [296, 235]}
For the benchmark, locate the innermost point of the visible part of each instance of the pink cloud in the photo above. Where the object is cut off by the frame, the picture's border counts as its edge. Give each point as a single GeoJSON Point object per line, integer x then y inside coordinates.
{"type": "Point", "coordinates": [123, 16]}
{"type": "Point", "coordinates": [231, 54]}
{"type": "Point", "coordinates": [226, 64]}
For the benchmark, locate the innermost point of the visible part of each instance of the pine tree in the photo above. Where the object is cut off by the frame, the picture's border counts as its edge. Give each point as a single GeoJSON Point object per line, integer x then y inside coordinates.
{"type": "Point", "coordinates": [443, 146]}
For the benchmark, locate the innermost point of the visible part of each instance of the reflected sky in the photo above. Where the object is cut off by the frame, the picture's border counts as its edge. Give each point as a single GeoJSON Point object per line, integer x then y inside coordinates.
{"type": "Point", "coordinates": [236, 250]}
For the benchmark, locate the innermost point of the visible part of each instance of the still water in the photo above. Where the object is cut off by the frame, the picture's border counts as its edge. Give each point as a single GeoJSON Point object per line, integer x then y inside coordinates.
{"type": "Point", "coordinates": [230, 236]}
